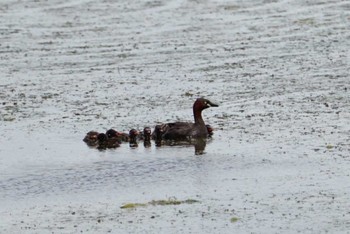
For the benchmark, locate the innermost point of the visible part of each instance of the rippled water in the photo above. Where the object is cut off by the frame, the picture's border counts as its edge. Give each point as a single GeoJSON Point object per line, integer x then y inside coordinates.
{"type": "Point", "coordinates": [62, 166]}
{"type": "Point", "coordinates": [280, 155]}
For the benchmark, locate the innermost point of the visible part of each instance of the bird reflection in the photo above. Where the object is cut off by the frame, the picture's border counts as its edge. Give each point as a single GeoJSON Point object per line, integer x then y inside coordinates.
{"type": "Point", "coordinates": [199, 146]}
{"type": "Point", "coordinates": [198, 143]}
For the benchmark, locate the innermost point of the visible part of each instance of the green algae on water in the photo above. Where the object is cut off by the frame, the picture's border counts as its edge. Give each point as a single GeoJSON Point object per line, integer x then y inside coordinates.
{"type": "Point", "coordinates": [132, 205]}
{"type": "Point", "coordinates": [159, 203]}
{"type": "Point", "coordinates": [172, 202]}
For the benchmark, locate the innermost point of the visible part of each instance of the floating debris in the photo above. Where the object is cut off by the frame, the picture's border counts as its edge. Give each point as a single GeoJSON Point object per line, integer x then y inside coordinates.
{"type": "Point", "coordinates": [159, 203]}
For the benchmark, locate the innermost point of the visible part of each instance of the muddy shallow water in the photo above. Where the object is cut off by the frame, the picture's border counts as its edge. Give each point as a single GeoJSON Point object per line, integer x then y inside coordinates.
{"type": "Point", "coordinates": [279, 158]}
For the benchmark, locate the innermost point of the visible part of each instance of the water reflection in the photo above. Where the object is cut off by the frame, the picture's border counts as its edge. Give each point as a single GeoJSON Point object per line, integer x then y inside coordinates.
{"type": "Point", "coordinates": [199, 144]}
{"type": "Point", "coordinates": [147, 144]}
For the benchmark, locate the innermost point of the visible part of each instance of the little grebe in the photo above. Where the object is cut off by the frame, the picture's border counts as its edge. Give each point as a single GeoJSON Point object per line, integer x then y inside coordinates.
{"type": "Point", "coordinates": [147, 137]}
{"type": "Point", "coordinates": [106, 143]}
{"type": "Point", "coordinates": [122, 137]}
{"type": "Point", "coordinates": [91, 138]}
{"type": "Point", "coordinates": [133, 134]}
{"type": "Point", "coordinates": [210, 130]}
{"type": "Point", "coordinates": [184, 130]}
{"type": "Point", "coordinates": [158, 133]}
{"type": "Point", "coordinates": [146, 134]}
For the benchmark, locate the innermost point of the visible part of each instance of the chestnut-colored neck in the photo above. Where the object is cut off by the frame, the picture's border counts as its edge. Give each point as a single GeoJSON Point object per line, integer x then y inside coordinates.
{"type": "Point", "coordinates": [197, 113]}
